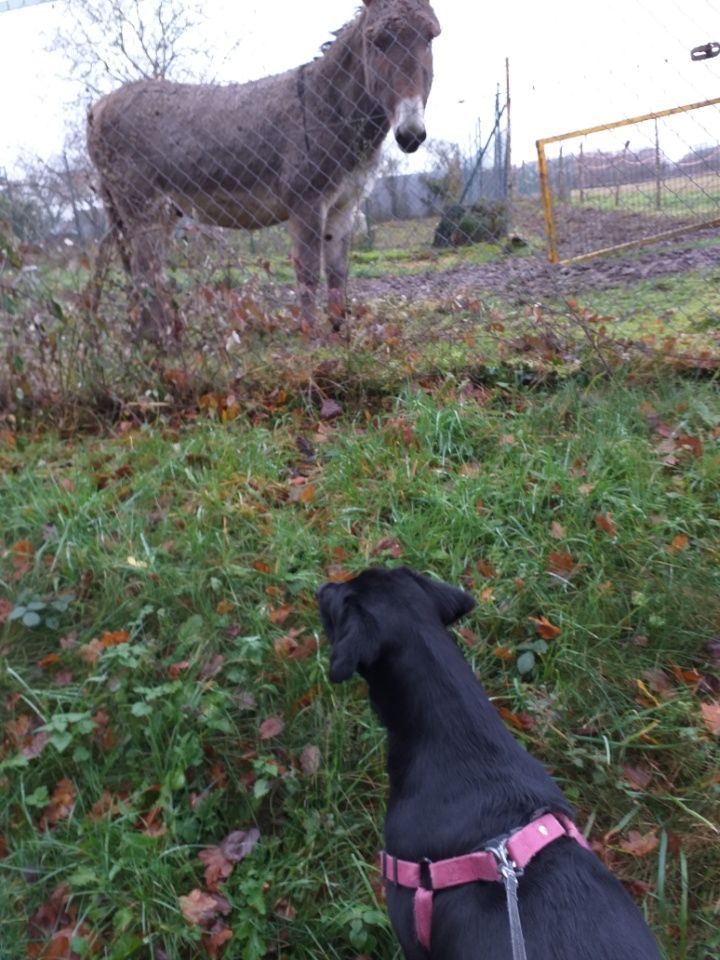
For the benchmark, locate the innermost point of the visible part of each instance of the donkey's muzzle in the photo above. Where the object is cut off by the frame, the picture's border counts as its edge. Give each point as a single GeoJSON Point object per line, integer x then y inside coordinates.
{"type": "Point", "coordinates": [410, 140]}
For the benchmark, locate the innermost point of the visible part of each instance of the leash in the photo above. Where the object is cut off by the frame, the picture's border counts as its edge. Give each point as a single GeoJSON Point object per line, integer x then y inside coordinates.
{"type": "Point", "coordinates": [510, 875]}
{"type": "Point", "coordinates": [502, 861]}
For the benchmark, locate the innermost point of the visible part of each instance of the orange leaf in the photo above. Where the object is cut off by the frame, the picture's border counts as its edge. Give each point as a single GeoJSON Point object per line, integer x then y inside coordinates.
{"type": "Point", "coordinates": [690, 678]}
{"type": "Point", "coordinates": [521, 721]}
{"type": "Point", "coordinates": [280, 614]}
{"type": "Point", "coordinates": [711, 717]}
{"type": "Point", "coordinates": [61, 803]}
{"type": "Point", "coordinates": [485, 568]}
{"type": "Point", "coordinates": [604, 522]}
{"type": "Point", "coordinates": [560, 563]}
{"type": "Point", "coordinates": [304, 493]}
{"type": "Point", "coordinates": [503, 653]}
{"type": "Point", "coordinates": [113, 638]}
{"type": "Point", "coordinates": [262, 567]}
{"type": "Point", "coordinates": [50, 660]}
{"type": "Point", "coordinates": [547, 630]}
{"type": "Point", "coordinates": [679, 543]}
{"type": "Point", "coordinates": [638, 844]}
{"type": "Point", "coordinates": [225, 606]}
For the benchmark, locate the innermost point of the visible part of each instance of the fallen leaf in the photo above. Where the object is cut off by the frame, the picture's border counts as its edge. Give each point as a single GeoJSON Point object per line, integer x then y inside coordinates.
{"type": "Point", "coordinates": [302, 493]}
{"type": "Point", "coordinates": [605, 523]}
{"type": "Point", "coordinates": [283, 908]}
{"type": "Point", "coordinates": [486, 569]}
{"type": "Point", "coordinates": [638, 844]}
{"type": "Point", "coordinates": [217, 937]}
{"type": "Point", "coordinates": [638, 777]}
{"type": "Point", "coordinates": [113, 638]}
{"type": "Point", "coordinates": [685, 442]}
{"type": "Point", "coordinates": [310, 760]}
{"type": "Point", "coordinates": [330, 409]}
{"type": "Point", "coordinates": [388, 545]}
{"type": "Point", "coordinates": [678, 544]}
{"type": "Point", "coordinates": [560, 563]}
{"type": "Point", "coordinates": [217, 867]}
{"type": "Point", "coordinates": [503, 653]}
{"type": "Point", "coordinates": [279, 615]}
{"type": "Point", "coordinates": [271, 727]}
{"type": "Point", "coordinates": [546, 629]}
{"type": "Point", "coordinates": [557, 530]}
{"type": "Point", "coordinates": [238, 844]}
{"type": "Point", "coordinates": [225, 606]}
{"type": "Point", "coordinates": [5, 608]}
{"type": "Point", "coordinates": [200, 908]}
{"type": "Point", "coordinates": [521, 721]}
{"type": "Point", "coordinates": [711, 717]}
{"type": "Point", "coordinates": [61, 804]}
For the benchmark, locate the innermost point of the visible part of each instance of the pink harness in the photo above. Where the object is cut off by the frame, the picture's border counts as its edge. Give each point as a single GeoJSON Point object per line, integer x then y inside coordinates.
{"type": "Point", "coordinates": [503, 861]}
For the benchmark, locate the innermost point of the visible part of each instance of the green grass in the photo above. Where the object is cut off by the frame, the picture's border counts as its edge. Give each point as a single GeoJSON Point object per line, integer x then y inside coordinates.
{"type": "Point", "coordinates": [697, 196]}
{"type": "Point", "coordinates": [190, 535]}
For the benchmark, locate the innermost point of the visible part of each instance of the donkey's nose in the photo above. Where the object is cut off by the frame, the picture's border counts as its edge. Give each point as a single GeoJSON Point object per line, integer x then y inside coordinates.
{"type": "Point", "coordinates": [409, 140]}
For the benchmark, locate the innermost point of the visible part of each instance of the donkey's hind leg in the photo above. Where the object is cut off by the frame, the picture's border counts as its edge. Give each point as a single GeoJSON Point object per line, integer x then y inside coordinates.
{"type": "Point", "coordinates": [159, 320]}
{"type": "Point", "coordinates": [336, 248]}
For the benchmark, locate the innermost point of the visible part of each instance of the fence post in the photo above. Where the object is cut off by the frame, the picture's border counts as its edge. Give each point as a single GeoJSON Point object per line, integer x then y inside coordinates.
{"type": "Point", "coordinates": [658, 169]}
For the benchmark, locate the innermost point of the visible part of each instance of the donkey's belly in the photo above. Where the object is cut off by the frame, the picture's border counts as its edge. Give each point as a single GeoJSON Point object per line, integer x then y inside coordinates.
{"type": "Point", "coordinates": [222, 208]}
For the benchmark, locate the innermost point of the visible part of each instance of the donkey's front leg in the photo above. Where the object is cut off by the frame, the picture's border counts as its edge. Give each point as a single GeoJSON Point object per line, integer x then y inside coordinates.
{"type": "Point", "coordinates": [336, 240]}
{"type": "Point", "coordinates": [306, 226]}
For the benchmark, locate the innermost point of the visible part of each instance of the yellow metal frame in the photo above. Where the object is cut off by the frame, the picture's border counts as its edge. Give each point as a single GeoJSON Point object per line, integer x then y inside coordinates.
{"type": "Point", "coordinates": [547, 192]}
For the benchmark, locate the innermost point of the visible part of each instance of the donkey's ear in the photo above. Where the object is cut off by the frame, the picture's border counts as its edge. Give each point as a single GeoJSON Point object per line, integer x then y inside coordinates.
{"type": "Point", "coordinates": [450, 602]}
{"type": "Point", "coordinates": [356, 642]}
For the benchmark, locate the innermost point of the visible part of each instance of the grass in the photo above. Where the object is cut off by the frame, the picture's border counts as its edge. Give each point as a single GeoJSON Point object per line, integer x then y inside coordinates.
{"type": "Point", "coordinates": [182, 557]}
{"type": "Point", "coordinates": [697, 196]}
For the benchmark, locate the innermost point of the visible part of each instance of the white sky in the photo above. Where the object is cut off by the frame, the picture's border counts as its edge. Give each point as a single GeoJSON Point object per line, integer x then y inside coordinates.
{"type": "Point", "coordinates": [573, 64]}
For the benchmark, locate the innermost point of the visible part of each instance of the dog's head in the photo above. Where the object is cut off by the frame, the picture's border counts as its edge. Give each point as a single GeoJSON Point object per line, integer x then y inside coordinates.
{"type": "Point", "coordinates": [365, 616]}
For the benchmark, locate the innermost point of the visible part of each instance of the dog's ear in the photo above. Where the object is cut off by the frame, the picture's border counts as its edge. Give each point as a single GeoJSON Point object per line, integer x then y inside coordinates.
{"type": "Point", "coordinates": [355, 642]}
{"type": "Point", "coordinates": [450, 602]}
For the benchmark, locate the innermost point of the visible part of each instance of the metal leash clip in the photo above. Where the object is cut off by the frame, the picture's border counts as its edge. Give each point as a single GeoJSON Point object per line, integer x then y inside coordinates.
{"type": "Point", "coordinates": [510, 873]}
{"type": "Point", "coordinates": [705, 51]}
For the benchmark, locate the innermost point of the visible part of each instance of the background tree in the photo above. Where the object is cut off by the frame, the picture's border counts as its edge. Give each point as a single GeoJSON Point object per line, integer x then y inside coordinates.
{"type": "Point", "coordinates": [110, 42]}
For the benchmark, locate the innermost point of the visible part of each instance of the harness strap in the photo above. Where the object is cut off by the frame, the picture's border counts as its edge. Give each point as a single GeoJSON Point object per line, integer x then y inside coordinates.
{"type": "Point", "coordinates": [503, 862]}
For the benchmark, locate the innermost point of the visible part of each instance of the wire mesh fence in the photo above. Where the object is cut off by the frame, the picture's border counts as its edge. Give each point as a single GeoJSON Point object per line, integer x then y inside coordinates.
{"type": "Point", "coordinates": [657, 176]}
{"type": "Point", "coordinates": [207, 213]}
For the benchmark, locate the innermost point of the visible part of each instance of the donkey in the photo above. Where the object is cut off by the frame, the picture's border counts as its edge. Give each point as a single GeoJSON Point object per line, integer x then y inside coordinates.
{"type": "Point", "coordinates": [296, 147]}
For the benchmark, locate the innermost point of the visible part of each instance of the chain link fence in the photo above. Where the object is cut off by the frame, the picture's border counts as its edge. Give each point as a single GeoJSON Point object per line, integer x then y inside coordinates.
{"type": "Point", "coordinates": [210, 216]}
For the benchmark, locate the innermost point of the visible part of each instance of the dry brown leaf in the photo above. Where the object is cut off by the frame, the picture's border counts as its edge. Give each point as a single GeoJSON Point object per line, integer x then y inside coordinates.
{"type": "Point", "coordinates": [604, 522]}
{"type": "Point", "coordinates": [546, 629]}
{"type": "Point", "coordinates": [200, 908]}
{"type": "Point", "coordinates": [486, 568]}
{"type": "Point", "coordinates": [678, 544]}
{"type": "Point", "coordinates": [560, 563]}
{"type": "Point", "coordinates": [217, 867]}
{"type": "Point", "coordinates": [310, 760]}
{"type": "Point", "coordinates": [711, 717]}
{"type": "Point", "coordinates": [638, 844]}
{"type": "Point", "coordinates": [638, 777]}
{"type": "Point", "coordinates": [272, 727]}
{"type": "Point", "coordinates": [557, 530]}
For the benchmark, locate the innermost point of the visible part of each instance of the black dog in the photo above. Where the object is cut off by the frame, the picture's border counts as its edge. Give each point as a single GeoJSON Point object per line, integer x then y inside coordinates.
{"type": "Point", "coordinates": [459, 782]}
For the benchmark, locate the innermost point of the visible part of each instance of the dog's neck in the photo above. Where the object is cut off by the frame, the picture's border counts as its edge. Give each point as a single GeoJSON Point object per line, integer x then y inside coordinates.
{"type": "Point", "coordinates": [444, 731]}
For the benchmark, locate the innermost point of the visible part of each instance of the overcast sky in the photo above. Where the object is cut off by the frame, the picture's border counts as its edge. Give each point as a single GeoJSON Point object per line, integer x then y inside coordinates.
{"type": "Point", "coordinates": [573, 64]}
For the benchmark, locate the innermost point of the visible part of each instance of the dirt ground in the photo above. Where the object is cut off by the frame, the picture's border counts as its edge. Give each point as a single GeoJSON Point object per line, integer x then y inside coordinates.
{"type": "Point", "coordinates": [523, 279]}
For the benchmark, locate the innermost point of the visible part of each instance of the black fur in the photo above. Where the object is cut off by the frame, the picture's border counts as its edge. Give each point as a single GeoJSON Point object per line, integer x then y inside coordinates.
{"type": "Point", "coordinates": [458, 779]}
